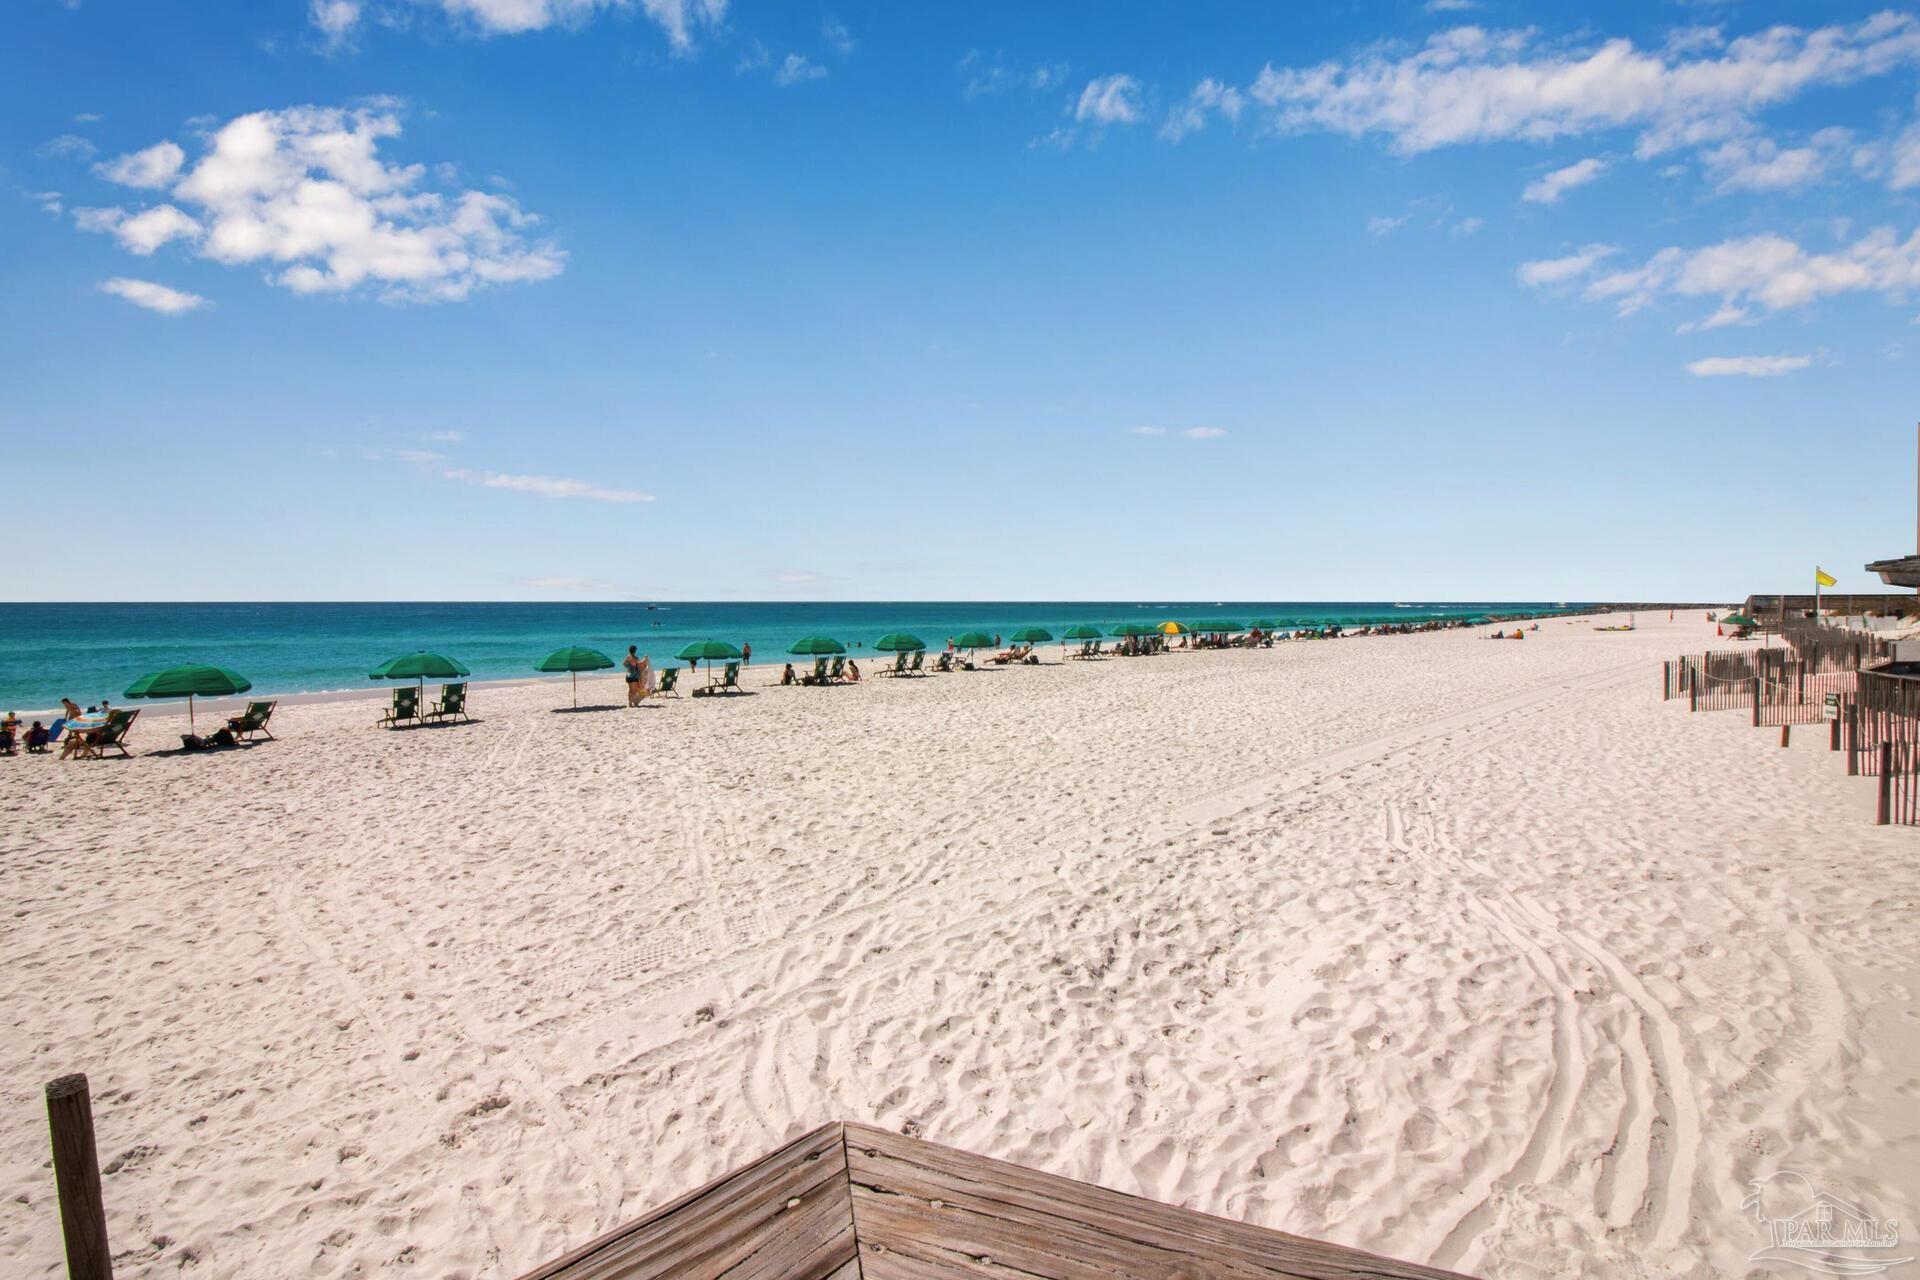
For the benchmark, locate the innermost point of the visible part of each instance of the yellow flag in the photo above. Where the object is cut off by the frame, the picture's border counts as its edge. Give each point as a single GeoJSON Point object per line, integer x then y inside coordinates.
{"type": "Point", "coordinates": [1822, 577]}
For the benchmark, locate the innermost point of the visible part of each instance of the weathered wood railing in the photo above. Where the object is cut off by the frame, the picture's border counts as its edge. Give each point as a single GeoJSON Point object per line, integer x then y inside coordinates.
{"type": "Point", "coordinates": [849, 1202]}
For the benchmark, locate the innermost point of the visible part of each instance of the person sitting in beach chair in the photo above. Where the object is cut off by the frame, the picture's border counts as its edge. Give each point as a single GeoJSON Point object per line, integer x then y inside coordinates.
{"type": "Point", "coordinates": [212, 742]}
{"type": "Point", "coordinates": [112, 736]}
{"type": "Point", "coordinates": [452, 704]}
{"type": "Point", "coordinates": [39, 740]}
{"type": "Point", "coordinates": [6, 741]}
{"type": "Point", "coordinates": [945, 662]}
{"type": "Point", "coordinates": [406, 707]}
{"type": "Point", "coordinates": [254, 721]}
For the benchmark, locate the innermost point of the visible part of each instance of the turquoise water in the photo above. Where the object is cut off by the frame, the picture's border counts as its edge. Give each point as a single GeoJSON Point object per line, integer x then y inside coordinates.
{"type": "Point", "coordinates": [90, 651]}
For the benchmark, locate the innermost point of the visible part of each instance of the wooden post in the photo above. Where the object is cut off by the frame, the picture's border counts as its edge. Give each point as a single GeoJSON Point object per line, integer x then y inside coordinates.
{"type": "Point", "coordinates": [1853, 739]}
{"type": "Point", "coordinates": [1883, 812]}
{"type": "Point", "coordinates": [1666, 681]}
{"type": "Point", "coordinates": [1785, 730]}
{"type": "Point", "coordinates": [76, 1176]}
{"type": "Point", "coordinates": [1833, 734]}
{"type": "Point", "coordinates": [1753, 688]}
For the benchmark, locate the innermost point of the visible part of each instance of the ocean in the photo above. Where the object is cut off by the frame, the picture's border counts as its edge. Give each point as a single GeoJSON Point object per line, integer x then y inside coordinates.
{"type": "Point", "coordinates": [91, 651]}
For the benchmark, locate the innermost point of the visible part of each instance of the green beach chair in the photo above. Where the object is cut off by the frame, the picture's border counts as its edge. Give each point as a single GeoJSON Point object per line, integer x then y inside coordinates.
{"type": "Point", "coordinates": [254, 721]}
{"type": "Point", "coordinates": [453, 703]}
{"type": "Point", "coordinates": [111, 736]}
{"type": "Point", "coordinates": [839, 669]}
{"type": "Point", "coordinates": [669, 677]}
{"type": "Point", "coordinates": [819, 675]}
{"type": "Point", "coordinates": [913, 668]}
{"type": "Point", "coordinates": [945, 662]}
{"type": "Point", "coordinates": [406, 707]}
{"type": "Point", "coordinates": [899, 667]}
{"type": "Point", "coordinates": [729, 679]}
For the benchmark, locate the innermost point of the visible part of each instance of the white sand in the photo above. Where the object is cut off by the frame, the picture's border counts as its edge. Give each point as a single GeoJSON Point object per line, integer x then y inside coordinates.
{"type": "Point", "coordinates": [1466, 952]}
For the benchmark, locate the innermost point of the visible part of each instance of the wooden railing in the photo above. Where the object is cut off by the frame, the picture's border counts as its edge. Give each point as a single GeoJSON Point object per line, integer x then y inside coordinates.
{"type": "Point", "coordinates": [849, 1202]}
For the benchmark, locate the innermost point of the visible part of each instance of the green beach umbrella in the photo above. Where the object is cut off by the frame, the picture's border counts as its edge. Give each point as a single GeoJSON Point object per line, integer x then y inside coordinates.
{"type": "Point", "coordinates": [973, 640]}
{"type": "Point", "coordinates": [1218, 626]}
{"type": "Point", "coordinates": [573, 660]}
{"type": "Point", "coordinates": [421, 666]}
{"type": "Point", "coordinates": [190, 681]}
{"type": "Point", "coordinates": [707, 649]}
{"type": "Point", "coordinates": [899, 642]}
{"type": "Point", "coordinates": [1268, 624]}
{"type": "Point", "coordinates": [1032, 635]}
{"type": "Point", "coordinates": [1083, 631]}
{"type": "Point", "coordinates": [814, 646]}
{"type": "Point", "coordinates": [1133, 629]}
{"type": "Point", "coordinates": [1737, 620]}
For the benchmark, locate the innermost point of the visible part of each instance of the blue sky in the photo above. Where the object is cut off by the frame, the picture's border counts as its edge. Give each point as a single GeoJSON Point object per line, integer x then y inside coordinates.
{"type": "Point", "coordinates": [522, 299]}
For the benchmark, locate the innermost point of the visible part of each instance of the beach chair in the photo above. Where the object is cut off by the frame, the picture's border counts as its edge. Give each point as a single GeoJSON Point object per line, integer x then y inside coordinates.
{"type": "Point", "coordinates": [899, 667]}
{"type": "Point", "coordinates": [945, 662]}
{"type": "Point", "coordinates": [406, 706]}
{"type": "Point", "coordinates": [819, 675]}
{"type": "Point", "coordinates": [913, 668]}
{"type": "Point", "coordinates": [453, 702]}
{"type": "Point", "coordinates": [669, 678]}
{"type": "Point", "coordinates": [839, 671]}
{"type": "Point", "coordinates": [729, 679]}
{"type": "Point", "coordinates": [254, 721]}
{"type": "Point", "coordinates": [112, 736]}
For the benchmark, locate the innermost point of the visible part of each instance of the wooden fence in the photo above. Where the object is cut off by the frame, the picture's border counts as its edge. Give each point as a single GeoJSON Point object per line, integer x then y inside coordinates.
{"type": "Point", "coordinates": [847, 1202]}
{"type": "Point", "coordinates": [1818, 677]}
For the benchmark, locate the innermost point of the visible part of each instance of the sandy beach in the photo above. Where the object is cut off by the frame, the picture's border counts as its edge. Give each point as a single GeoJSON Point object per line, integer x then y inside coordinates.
{"type": "Point", "coordinates": [1463, 952]}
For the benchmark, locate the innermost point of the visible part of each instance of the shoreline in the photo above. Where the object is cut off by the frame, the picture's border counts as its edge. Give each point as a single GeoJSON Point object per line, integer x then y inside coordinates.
{"type": "Point", "coordinates": [382, 690]}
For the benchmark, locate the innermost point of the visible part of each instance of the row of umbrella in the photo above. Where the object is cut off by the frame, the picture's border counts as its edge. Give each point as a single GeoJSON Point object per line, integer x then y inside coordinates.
{"type": "Point", "coordinates": [202, 680]}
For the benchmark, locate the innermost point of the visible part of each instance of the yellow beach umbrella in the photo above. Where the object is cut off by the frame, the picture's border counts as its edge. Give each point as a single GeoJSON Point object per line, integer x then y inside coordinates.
{"type": "Point", "coordinates": [1173, 628]}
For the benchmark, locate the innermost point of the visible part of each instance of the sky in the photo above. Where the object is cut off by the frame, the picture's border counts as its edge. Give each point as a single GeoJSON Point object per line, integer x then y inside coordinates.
{"type": "Point", "coordinates": [730, 299]}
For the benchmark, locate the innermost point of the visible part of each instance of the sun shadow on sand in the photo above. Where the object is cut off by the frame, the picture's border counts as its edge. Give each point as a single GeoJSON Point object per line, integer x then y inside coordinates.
{"type": "Point", "coordinates": [598, 706]}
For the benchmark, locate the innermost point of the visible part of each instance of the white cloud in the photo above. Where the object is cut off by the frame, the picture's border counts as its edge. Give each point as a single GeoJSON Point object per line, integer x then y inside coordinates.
{"type": "Point", "coordinates": [1768, 271]}
{"type": "Point", "coordinates": [678, 20]}
{"type": "Point", "coordinates": [140, 233]}
{"type": "Point", "coordinates": [1726, 316]}
{"type": "Point", "coordinates": [154, 297]}
{"type": "Point", "coordinates": [1209, 96]}
{"type": "Point", "coordinates": [1475, 85]}
{"type": "Point", "coordinates": [1747, 366]}
{"type": "Point", "coordinates": [835, 33]}
{"type": "Point", "coordinates": [1204, 433]}
{"type": "Point", "coordinates": [1450, 6]}
{"type": "Point", "coordinates": [1109, 100]}
{"type": "Point", "coordinates": [155, 167]}
{"type": "Point", "coordinates": [1380, 224]}
{"type": "Point", "coordinates": [1146, 431]}
{"type": "Point", "coordinates": [1549, 189]}
{"type": "Point", "coordinates": [989, 75]}
{"type": "Point", "coordinates": [1904, 160]}
{"type": "Point", "coordinates": [795, 68]}
{"type": "Point", "coordinates": [547, 486]}
{"type": "Point", "coordinates": [68, 146]}
{"type": "Point", "coordinates": [304, 193]}
{"type": "Point", "coordinates": [336, 19]}
{"type": "Point", "coordinates": [1469, 226]}
{"type": "Point", "coordinates": [446, 437]}
{"type": "Point", "coordinates": [49, 201]}
{"type": "Point", "coordinates": [1760, 164]}
{"type": "Point", "coordinates": [1549, 271]}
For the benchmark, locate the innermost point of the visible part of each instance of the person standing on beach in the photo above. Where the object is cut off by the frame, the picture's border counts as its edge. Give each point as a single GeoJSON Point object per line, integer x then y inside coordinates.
{"type": "Point", "coordinates": [636, 672]}
{"type": "Point", "coordinates": [746, 654]}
